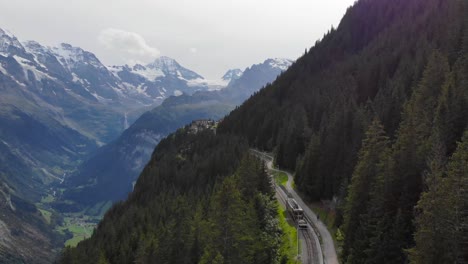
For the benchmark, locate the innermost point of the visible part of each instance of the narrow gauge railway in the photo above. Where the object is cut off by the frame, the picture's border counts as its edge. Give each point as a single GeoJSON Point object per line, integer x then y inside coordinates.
{"type": "Point", "coordinates": [311, 245]}
{"type": "Point", "coordinates": [309, 252]}
{"type": "Point", "coordinates": [297, 213]}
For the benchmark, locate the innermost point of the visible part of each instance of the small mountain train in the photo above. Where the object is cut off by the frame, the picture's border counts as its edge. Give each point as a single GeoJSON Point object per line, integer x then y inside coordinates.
{"type": "Point", "coordinates": [296, 212]}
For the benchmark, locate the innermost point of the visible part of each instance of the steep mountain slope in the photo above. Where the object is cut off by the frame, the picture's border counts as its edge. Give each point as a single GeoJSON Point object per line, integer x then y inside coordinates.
{"type": "Point", "coordinates": [109, 174]}
{"type": "Point", "coordinates": [26, 237]}
{"type": "Point", "coordinates": [45, 130]}
{"type": "Point", "coordinates": [334, 90]}
{"type": "Point", "coordinates": [202, 198]}
{"type": "Point", "coordinates": [47, 126]}
{"type": "Point", "coordinates": [400, 62]}
{"type": "Point", "coordinates": [50, 119]}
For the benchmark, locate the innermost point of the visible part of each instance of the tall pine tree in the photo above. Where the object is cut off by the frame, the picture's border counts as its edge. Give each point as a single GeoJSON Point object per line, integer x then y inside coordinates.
{"type": "Point", "coordinates": [442, 225]}
{"type": "Point", "coordinates": [374, 146]}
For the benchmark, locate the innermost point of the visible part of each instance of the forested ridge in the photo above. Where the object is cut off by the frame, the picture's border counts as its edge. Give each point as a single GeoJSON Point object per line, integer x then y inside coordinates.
{"type": "Point", "coordinates": [370, 117]}
{"type": "Point", "coordinates": [374, 116]}
{"type": "Point", "coordinates": [202, 199]}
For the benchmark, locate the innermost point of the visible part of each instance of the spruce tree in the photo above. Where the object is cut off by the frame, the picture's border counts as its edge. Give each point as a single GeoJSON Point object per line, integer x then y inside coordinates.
{"type": "Point", "coordinates": [430, 236]}
{"type": "Point", "coordinates": [408, 162]}
{"type": "Point", "coordinates": [441, 235]}
{"type": "Point", "coordinates": [357, 201]}
{"type": "Point", "coordinates": [456, 189]}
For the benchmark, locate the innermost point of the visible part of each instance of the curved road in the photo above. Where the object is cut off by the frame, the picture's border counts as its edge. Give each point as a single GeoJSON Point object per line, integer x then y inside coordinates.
{"type": "Point", "coordinates": [328, 247]}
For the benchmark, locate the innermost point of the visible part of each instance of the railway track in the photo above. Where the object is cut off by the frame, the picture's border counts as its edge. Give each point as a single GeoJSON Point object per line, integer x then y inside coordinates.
{"type": "Point", "coordinates": [312, 251]}
{"type": "Point", "coordinates": [309, 252]}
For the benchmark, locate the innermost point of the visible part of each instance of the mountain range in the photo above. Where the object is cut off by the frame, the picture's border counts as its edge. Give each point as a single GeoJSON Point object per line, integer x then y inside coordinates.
{"type": "Point", "coordinates": [74, 103]}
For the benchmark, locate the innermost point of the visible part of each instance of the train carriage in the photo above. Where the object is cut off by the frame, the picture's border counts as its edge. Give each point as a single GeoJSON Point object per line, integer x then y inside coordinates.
{"type": "Point", "coordinates": [296, 212]}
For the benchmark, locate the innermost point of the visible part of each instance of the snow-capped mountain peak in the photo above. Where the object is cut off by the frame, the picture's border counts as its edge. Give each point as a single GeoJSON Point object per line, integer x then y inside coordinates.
{"type": "Point", "coordinates": [36, 48]}
{"type": "Point", "coordinates": [232, 74]}
{"type": "Point", "coordinates": [67, 70]}
{"type": "Point", "coordinates": [279, 63]}
{"type": "Point", "coordinates": [164, 62]}
{"type": "Point", "coordinates": [8, 42]}
{"type": "Point", "coordinates": [69, 55]}
{"type": "Point", "coordinates": [7, 33]}
{"type": "Point", "coordinates": [171, 67]}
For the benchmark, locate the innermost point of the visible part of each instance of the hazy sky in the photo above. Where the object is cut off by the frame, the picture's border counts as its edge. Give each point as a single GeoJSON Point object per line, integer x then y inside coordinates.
{"type": "Point", "coordinates": [207, 36]}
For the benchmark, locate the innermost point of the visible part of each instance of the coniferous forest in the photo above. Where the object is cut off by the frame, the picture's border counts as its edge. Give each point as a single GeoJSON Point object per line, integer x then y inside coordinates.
{"type": "Point", "coordinates": [374, 116]}
{"type": "Point", "coordinates": [201, 199]}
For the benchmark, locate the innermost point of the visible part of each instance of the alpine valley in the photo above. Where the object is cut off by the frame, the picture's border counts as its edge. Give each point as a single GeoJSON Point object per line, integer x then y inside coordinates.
{"type": "Point", "coordinates": [357, 152]}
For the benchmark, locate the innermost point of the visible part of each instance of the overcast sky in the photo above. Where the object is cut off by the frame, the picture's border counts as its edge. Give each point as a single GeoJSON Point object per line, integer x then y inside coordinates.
{"type": "Point", "coordinates": [207, 36]}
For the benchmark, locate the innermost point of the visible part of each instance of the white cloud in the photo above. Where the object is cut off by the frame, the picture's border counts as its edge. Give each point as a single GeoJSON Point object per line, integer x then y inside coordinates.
{"type": "Point", "coordinates": [193, 50]}
{"type": "Point", "coordinates": [130, 46]}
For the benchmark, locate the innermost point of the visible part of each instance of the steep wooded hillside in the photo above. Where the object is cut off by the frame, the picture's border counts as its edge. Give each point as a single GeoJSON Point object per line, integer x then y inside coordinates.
{"type": "Point", "coordinates": [201, 199]}
{"type": "Point", "coordinates": [402, 63]}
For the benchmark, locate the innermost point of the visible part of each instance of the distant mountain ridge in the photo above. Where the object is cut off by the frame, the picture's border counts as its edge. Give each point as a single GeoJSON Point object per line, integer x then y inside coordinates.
{"type": "Point", "coordinates": [149, 84]}
{"type": "Point", "coordinates": [68, 89]}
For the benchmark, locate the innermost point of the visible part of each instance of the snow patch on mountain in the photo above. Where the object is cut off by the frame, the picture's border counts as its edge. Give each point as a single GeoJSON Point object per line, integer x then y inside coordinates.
{"type": "Point", "coordinates": [212, 85]}
{"type": "Point", "coordinates": [232, 74]}
{"type": "Point", "coordinates": [29, 66]}
{"type": "Point", "coordinates": [76, 78]}
{"type": "Point", "coordinates": [2, 70]}
{"type": "Point", "coordinates": [69, 56]}
{"type": "Point", "coordinates": [150, 74]}
{"type": "Point", "coordinates": [114, 69]}
{"type": "Point", "coordinates": [35, 48]}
